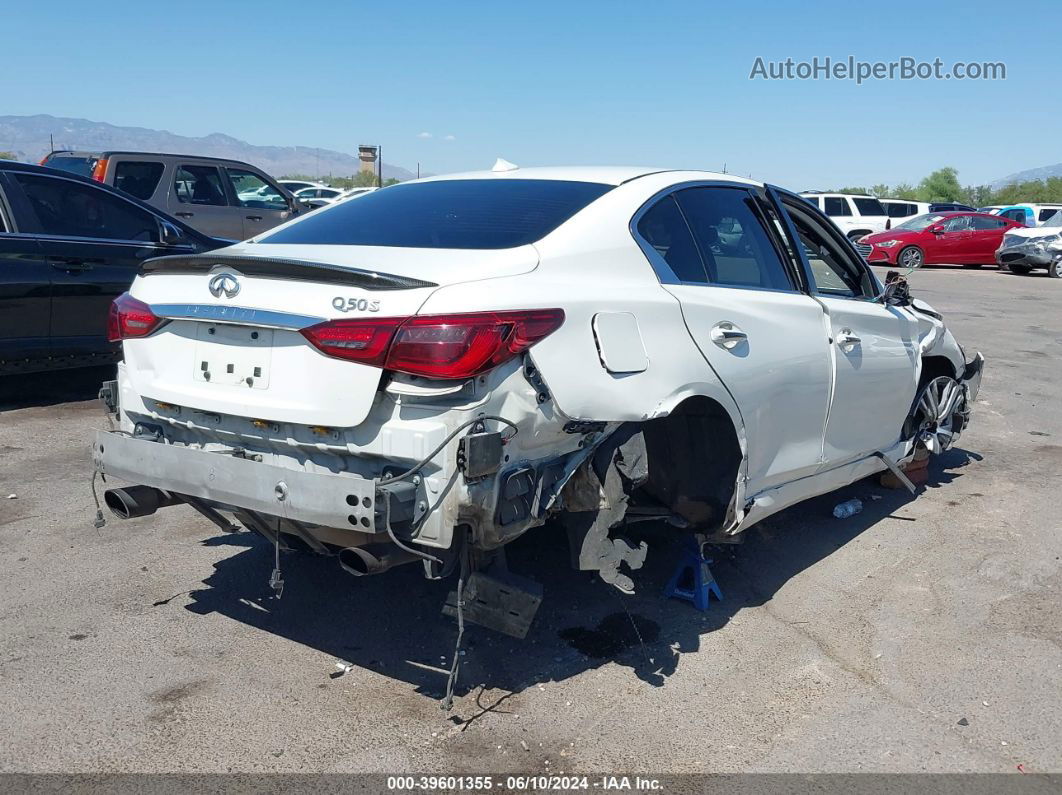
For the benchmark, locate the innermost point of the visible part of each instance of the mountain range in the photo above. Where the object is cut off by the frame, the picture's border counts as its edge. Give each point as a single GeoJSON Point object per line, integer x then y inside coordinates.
{"type": "Point", "coordinates": [27, 137]}
{"type": "Point", "coordinates": [1027, 176]}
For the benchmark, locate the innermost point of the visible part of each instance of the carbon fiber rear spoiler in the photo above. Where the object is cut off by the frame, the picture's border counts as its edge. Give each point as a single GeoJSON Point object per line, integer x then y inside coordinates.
{"type": "Point", "coordinates": [275, 268]}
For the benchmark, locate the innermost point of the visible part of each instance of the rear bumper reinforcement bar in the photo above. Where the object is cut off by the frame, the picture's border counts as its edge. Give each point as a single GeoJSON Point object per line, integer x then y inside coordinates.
{"type": "Point", "coordinates": [328, 499]}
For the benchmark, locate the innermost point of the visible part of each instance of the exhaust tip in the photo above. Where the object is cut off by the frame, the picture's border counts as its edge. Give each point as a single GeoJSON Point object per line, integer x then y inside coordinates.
{"type": "Point", "coordinates": [118, 502]}
{"type": "Point", "coordinates": [358, 562]}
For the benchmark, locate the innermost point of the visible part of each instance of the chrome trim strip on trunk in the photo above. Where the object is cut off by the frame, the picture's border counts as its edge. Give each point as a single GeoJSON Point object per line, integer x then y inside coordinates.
{"type": "Point", "coordinates": [235, 315]}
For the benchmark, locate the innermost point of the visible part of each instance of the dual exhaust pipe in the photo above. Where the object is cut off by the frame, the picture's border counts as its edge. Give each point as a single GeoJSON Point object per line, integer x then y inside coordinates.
{"type": "Point", "coordinates": [137, 501]}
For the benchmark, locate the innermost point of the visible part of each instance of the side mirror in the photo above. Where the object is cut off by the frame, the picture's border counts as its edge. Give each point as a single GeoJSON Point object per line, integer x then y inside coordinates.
{"type": "Point", "coordinates": [937, 229]}
{"type": "Point", "coordinates": [170, 235]}
{"type": "Point", "coordinates": [897, 291]}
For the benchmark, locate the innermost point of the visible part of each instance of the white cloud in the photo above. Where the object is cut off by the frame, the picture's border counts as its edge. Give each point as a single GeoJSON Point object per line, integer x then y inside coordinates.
{"type": "Point", "coordinates": [450, 138]}
{"type": "Point", "coordinates": [424, 135]}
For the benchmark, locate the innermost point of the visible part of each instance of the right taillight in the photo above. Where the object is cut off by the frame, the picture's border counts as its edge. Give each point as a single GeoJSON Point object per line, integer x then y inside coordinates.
{"type": "Point", "coordinates": [436, 346]}
{"type": "Point", "coordinates": [130, 318]}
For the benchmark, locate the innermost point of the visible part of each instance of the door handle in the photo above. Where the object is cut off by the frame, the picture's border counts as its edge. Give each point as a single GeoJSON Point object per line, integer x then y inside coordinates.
{"type": "Point", "coordinates": [184, 215]}
{"type": "Point", "coordinates": [254, 218]}
{"type": "Point", "coordinates": [726, 335]}
{"type": "Point", "coordinates": [847, 341]}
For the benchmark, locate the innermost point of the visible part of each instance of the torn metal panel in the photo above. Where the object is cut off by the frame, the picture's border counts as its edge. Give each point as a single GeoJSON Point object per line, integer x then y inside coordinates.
{"type": "Point", "coordinates": [618, 467]}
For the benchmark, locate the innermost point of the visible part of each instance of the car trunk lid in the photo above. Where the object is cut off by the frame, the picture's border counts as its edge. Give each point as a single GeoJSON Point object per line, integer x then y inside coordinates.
{"type": "Point", "coordinates": [232, 344]}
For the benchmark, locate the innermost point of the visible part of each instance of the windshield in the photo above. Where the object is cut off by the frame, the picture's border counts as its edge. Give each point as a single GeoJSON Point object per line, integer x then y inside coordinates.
{"type": "Point", "coordinates": [920, 222]}
{"type": "Point", "coordinates": [456, 213]}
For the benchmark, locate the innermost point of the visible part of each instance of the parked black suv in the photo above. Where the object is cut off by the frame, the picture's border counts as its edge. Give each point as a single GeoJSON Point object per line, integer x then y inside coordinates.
{"type": "Point", "coordinates": [68, 247]}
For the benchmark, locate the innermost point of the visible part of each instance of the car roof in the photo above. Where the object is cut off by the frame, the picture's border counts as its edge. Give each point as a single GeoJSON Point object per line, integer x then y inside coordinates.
{"type": "Point", "coordinates": [606, 175]}
{"type": "Point", "coordinates": [112, 152]}
{"type": "Point", "coordinates": [834, 193]}
{"type": "Point", "coordinates": [14, 165]}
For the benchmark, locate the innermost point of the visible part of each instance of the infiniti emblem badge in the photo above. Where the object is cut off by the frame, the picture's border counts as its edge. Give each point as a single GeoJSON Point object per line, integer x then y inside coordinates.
{"type": "Point", "coordinates": [224, 284]}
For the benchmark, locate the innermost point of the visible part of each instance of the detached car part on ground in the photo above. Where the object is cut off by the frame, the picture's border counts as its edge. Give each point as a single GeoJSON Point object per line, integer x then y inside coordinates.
{"type": "Point", "coordinates": [1025, 250]}
{"type": "Point", "coordinates": [426, 373]}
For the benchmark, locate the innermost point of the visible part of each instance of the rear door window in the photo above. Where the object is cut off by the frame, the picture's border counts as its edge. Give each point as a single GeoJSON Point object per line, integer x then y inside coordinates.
{"type": "Point", "coordinates": [1045, 214]}
{"type": "Point", "coordinates": [450, 213]}
{"type": "Point", "coordinates": [253, 191]}
{"type": "Point", "coordinates": [836, 206]}
{"type": "Point", "coordinates": [666, 231]}
{"type": "Point", "coordinates": [731, 238]}
{"type": "Point", "coordinates": [138, 178]}
{"type": "Point", "coordinates": [66, 208]}
{"type": "Point", "coordinates": [868, 206]}
{"type": "Point", "coordinates": [984, 222]}
{"type": "Point", "coordinates": [199, 185]}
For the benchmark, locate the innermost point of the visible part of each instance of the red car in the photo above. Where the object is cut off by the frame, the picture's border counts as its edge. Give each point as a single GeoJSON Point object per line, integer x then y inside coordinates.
{"type": "Point", "coordinates": [967, 239]}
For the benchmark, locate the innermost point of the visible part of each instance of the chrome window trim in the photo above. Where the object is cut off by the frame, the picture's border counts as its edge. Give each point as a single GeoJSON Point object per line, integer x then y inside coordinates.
{"type": "Point", "coordinates": [663, 271]}
{"type": "Point", "coordinates": [236, 315]}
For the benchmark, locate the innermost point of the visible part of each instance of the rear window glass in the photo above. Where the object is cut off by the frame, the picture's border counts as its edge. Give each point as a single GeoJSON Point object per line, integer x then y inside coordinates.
{"type": "Point", "coordinates": [869, 207]}
{"type": "Point", "coordinates": [465, 213]}
{"type": "Point", "coordinates": [137, 178]}
{"type": "Point", "coordinates": [82, 166]}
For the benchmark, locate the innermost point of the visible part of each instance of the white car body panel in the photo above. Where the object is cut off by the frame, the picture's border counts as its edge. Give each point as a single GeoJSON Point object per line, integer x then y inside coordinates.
{"type": "Point", "coordinates": [809, 409]}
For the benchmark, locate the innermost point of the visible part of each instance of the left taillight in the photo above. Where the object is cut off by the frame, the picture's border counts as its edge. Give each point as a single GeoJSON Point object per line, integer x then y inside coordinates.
{"type": "Point", "coordinates": [130, 318]}
{"type": "Point", "coordinates": [436, 346]}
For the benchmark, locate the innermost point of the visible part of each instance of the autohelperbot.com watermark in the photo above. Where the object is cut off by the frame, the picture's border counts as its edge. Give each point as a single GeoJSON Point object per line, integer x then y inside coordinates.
{"type": "Point", "coordinates": [851, 68]}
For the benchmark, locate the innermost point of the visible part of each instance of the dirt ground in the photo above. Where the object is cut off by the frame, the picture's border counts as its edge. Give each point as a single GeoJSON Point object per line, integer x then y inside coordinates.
{"type": "Point", "coordinates": [923, 634]}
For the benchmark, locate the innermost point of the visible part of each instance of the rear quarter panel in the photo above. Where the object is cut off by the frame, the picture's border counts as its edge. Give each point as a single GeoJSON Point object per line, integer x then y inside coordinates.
{"type": "Point", "coordinates": [588, 265]}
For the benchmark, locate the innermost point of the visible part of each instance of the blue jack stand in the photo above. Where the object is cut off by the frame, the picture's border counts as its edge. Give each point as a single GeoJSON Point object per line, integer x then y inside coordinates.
{"type": "Point", "coordinates": [693, 580]}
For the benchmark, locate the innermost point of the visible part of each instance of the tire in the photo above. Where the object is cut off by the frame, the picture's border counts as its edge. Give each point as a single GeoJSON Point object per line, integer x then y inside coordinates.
{"type": "Point", "coordinates": [1054, 270]}
{"type": "Point", "coordinates": [1021, 270]}
{"type": "Point", "coordinates": [940, 413]}
{"type": "Point", "coordinates": [911, 257]}
{"type": "Point", "coordinates": [973, 265]}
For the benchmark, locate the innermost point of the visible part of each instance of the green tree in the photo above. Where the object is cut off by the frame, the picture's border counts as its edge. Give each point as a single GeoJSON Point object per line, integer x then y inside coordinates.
{"type": "Point", "coordinates": [8, 156]}
{"type": "Point", "coordinates": [881, 191]}
{"type": "Point", "coordinates": [941, 186]}
{"type": "Point", "coordinates": [905, 191]}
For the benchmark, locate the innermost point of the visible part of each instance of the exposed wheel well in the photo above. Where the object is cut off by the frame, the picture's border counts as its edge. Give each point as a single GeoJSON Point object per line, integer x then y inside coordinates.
{"type": "Point", "coordinates": [694, 458]}
{"type": "Point", "coordinates": [933, 367]}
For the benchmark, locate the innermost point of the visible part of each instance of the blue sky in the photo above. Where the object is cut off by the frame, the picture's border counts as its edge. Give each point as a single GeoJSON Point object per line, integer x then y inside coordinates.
{"type": "Point", "coordinates": [548, 83]}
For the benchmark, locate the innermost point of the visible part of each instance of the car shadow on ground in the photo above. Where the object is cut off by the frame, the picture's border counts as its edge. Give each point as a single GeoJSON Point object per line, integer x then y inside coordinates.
{"type": "Point", "coordinates": [31, 390]}
{"type": "Point", "coordinates": [391, 623]}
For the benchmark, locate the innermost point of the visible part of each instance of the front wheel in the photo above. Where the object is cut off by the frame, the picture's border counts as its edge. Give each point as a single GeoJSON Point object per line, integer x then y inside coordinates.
{"type": "Point", "coordinates": [910, 257]}
{"type": "Point", "coordinates": [1054, 270]}
{"type": "Point", "coordinates": [940, 413]}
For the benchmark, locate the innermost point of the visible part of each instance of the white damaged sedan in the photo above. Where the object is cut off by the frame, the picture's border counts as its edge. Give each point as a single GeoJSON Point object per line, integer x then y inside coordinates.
{"type": "Point", "coordinates": [426, 373]}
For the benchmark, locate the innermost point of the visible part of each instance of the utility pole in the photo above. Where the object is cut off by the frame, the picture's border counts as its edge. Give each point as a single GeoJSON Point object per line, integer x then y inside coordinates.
{"type": "Point", "coordinates": [418, 170]}
{"type": "Point", "coordinates": [379, 156]}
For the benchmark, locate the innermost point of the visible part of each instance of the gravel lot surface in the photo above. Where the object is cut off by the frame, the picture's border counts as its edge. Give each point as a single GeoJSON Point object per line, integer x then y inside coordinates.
{"type": "Point", "coordinates": [924, 634]}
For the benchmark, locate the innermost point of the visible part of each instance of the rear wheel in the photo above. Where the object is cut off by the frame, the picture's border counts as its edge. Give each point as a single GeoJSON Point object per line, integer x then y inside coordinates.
{"type": "Point", "coordinates": [1054, 270]}
{"type": "Point", "coordinates": [1022, 270]}
{"type": "Point", "coordinates": [910, 257]}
